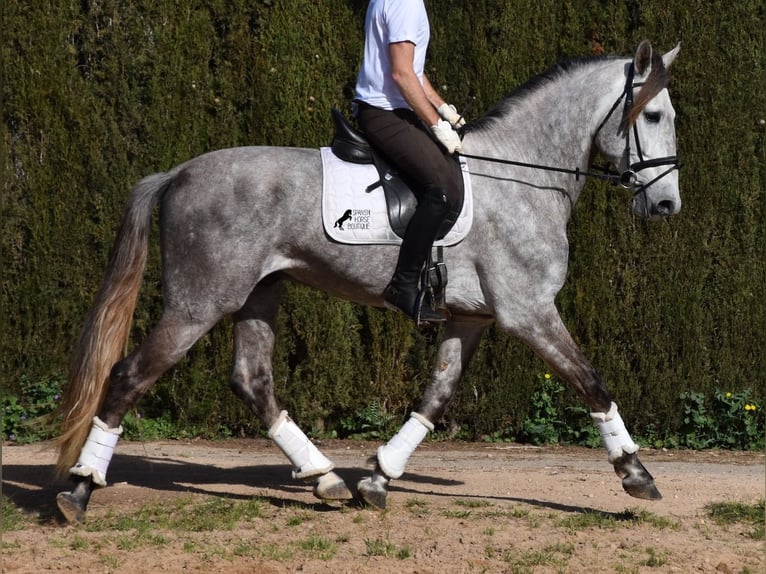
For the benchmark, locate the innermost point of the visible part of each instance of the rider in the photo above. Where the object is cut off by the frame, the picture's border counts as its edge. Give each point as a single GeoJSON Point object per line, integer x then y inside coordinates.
{"type": "Point", "coordinates": [407, 120]}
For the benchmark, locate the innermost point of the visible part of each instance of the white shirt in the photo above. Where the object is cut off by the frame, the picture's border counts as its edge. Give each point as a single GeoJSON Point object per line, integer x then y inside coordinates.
{"type": "Point", "coordinates": [388, 22]}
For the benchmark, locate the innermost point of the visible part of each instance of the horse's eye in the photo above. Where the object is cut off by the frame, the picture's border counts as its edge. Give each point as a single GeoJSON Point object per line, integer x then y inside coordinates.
{"type": "Point", "coordinates": [653, 117]}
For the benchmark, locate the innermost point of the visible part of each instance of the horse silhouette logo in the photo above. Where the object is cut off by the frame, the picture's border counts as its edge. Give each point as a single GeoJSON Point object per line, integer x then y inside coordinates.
{"type": "Point", "coordinates": [346, 216]}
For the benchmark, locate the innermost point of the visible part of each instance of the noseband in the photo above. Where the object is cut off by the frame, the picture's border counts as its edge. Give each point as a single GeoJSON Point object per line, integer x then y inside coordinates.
{"type": "Point", "coordinates": [629, 178]}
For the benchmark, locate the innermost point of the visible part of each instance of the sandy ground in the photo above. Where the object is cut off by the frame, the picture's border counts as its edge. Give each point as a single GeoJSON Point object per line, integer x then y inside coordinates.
{"type": "Point", "coordinates": [459, 508]}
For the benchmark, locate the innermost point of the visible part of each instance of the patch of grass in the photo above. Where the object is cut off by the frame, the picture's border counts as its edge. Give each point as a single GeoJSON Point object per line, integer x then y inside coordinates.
{"type": "Point", "coordinates": [417, 507]}
{"type": "Point", "coordinates": [276, 552]}
{"type": "Point", "coordinates": [728, 513]}
{"type": "Point", "coordinates": [319, 547]}
{"type": "Point", "coordinates": [12, 517]}
{"type": "Point", "coordinates": [655, 559]}
{"type": "Point", "coordinates": [186, 514]}
{"type": "Point", "coordinates": [456, 513]}
{"type": "Point", "coordinates": [415, 503]}
{"type": "Point", "coordinates": [111, 562]}
{"type": "Point", "coordinates": [78, 543]}
{"type": "Point", "coordinates": [641, 516]}
{"type": "Point", "coordinates": [595, 519]}
{"type": "Point", "coordinates": [516, 512]}
{"type": "Point", "coordinates": [245, 549]}
{"type": "Point", "coordinates": [527, 562]}
{"type": "Point", "coordinates": [470, 503]}
{"type": "Point", "coordinates": [380, 547]}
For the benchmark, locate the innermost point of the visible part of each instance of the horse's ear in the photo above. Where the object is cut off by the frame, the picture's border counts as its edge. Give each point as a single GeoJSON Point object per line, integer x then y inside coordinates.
{"type": "Point", "coordinates": [668, 58]}
{"type": "Point", "coordinates": [643, 59]}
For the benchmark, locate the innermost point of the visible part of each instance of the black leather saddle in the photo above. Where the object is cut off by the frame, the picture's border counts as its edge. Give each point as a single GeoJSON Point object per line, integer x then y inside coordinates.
{"type": "Point", "coordinates": [349, 144]}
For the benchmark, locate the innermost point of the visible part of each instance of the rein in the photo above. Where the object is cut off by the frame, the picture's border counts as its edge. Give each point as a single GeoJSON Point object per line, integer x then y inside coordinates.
{"type": "Point", "coordinates": [628, 178]}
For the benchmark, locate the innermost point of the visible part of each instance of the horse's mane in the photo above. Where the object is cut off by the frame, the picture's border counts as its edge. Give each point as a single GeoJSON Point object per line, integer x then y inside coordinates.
{"type": "Point", "coordinates": [656, 81]}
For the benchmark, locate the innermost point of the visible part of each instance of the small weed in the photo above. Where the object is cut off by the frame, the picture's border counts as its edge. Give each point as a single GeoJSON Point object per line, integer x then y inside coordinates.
{"type": "Point", "coordinates": [489, 531]}
{"type": "Point", "coordinates": [371, 423]}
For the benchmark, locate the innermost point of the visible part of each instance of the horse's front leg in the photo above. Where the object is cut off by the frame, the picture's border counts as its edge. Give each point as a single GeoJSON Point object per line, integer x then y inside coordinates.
{"type": "Point", "coordinates": [553, 343]}
{"type": "Point", "coordinates": [455, 351]}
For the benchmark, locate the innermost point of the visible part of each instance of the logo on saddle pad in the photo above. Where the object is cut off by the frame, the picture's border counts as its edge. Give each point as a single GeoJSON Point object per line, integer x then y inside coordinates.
{"type": "Point", "coordinates": [355, 211]}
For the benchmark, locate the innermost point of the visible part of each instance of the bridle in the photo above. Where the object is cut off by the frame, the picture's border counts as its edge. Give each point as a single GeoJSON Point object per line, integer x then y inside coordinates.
{"type": "Point", "coordinates": [629, 178]}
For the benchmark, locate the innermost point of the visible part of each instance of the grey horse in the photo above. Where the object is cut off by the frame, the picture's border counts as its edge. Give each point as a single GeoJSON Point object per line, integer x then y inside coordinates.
{"type": "Point", "coordinates": [236, 223]}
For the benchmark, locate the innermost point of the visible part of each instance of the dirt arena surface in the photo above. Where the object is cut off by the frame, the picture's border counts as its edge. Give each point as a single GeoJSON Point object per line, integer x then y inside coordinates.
{"type": "Point", "coordinates": [460, 508]}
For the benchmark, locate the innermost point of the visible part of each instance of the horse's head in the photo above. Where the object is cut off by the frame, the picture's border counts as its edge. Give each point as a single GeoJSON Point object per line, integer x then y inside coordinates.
{"type": "Point", "coordinates": [641, 141]}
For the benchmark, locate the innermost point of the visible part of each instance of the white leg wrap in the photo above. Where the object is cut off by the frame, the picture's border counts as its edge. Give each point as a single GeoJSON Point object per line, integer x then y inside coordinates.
{"type": "Point", "coordinates": [97, 452]}
{"type": "Point", "coordinates": [393, 456]}
{"type": "Point", "coordinates": [616, 438]}
{"type": "Point", "coordinates": [306, 458]}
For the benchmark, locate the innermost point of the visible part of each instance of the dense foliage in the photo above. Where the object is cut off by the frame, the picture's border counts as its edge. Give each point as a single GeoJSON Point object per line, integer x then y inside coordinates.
{"type": "Point", "coordinates": [97, 94]}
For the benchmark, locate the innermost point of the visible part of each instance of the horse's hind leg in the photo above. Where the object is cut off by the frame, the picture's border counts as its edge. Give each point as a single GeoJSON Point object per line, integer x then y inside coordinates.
{"type": "Point", "coordinates": [455, 351]}
{"type": "Point", "coordinates": [553, 343]}
{"type": "Point", "coordinates": [253, 382]}
{"type": "Point", "coordinates": [129, 380]}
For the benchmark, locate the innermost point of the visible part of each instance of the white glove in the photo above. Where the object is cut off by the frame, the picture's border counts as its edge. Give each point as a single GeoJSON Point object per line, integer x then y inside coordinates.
{"type": "Point", "coordinates": [447, 136]}
{"type": "Point", "coordinates": [449, 113]}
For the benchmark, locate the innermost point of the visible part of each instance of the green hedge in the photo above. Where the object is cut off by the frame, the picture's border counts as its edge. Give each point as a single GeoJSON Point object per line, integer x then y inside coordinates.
{"type": "Point", "coordinates": [96, 95]}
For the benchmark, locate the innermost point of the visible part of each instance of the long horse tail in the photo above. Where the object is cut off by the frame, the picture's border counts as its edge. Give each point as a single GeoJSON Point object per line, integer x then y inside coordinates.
{"type": "Point", "coordinates": [104, 336]}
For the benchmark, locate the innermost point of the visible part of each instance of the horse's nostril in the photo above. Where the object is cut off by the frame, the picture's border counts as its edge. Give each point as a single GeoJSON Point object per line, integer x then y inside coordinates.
{"type": "Point", "coordinates": [666, 207]}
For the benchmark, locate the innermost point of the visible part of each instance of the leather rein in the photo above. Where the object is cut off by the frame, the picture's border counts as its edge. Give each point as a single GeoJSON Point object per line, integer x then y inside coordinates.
{"type": "Point", "coordinates": [628, 178]}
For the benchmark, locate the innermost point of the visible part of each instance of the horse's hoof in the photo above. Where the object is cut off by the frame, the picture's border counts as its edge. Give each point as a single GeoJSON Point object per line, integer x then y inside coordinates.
{"type": "Point", "coordinates": [330, 486]}
{"type": "Point", "coordinates": [639, 488]}
{"type": "Point", "coordinates": [71, 507]}
{"type": "Point", "coordinates": [372, 493]}
{"type": "Point", "coordinates": [636, 480]}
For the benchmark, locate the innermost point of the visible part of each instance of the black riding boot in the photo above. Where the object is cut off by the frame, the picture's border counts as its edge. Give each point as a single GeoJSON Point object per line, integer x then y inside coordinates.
{"type": "Point", "coordinates": [403, 293]}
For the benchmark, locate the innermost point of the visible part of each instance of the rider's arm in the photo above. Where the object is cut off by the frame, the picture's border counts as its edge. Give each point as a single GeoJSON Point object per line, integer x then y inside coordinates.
{"type": "Point", "coordinates": [431, 93]}
{"type": "Point", "coordinates": [418, 96]}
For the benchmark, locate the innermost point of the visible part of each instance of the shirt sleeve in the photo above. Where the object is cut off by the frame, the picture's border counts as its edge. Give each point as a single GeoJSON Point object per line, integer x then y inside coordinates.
{"type": "Point", "coordinates": [404, 20]}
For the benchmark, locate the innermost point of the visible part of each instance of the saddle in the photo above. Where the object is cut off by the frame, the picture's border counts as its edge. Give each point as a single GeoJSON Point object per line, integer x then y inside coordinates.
{"type": "Point", "coordinates": [349, 144]}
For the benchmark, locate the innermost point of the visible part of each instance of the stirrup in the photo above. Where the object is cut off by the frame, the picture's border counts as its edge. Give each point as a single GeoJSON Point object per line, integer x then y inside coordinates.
{"type": "Point", "coordinates": [397, 300]}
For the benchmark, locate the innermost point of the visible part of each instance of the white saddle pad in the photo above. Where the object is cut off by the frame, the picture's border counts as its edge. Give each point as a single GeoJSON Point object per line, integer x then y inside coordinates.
{"type": "Point", "coordinates": [353, 215]}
